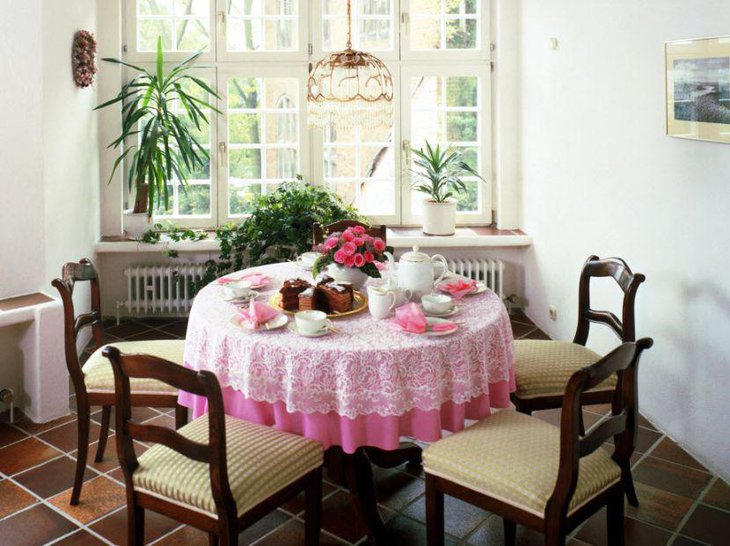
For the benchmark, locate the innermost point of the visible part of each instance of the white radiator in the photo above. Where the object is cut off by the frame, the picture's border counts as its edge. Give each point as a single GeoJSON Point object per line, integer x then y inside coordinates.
{"type": "Point", "coordinates": [161, 288]}
{"type": "Point", "coordinates": [488, 271]}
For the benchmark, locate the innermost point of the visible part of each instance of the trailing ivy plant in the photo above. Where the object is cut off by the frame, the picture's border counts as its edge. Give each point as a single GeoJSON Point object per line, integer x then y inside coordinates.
{"type": "Point", "coordinates": [174, 233]}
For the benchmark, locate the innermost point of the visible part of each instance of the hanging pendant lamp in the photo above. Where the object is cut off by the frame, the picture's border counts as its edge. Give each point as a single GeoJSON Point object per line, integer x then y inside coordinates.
{"type": "Point", "coordinates": [350, 88]}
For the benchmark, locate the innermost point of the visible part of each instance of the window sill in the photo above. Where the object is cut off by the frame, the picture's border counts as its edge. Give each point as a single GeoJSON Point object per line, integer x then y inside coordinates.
{"type": "Point", "coordinates": [399, 238]}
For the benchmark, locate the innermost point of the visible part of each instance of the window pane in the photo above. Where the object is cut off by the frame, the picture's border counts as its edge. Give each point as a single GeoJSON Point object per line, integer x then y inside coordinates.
{"type": "Point", "coordinates": [461, 6]}
{"type": "Point", "coordinates": [372, 25]}
{"type": "Point", "coordinates": [183, 25]}
{"type": "Point", "coordinates": [461, 33]}
{"type": "Point", "coordinates": [263, 137]}
{"type": "Point", "coordinates": [262, 25]}
{"type": "Point", "coordinates": [451, 24]}
{"type": "Point", "coordinates": [195, 201]}
{"type": "Point", "coordinates": [446, 111]}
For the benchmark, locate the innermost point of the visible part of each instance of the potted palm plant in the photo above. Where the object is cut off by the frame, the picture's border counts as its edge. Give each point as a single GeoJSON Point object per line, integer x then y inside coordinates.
{"type": "Point", "coordinates": [438, 174]}
{"type": "Point", "coordinates": [157, 139]}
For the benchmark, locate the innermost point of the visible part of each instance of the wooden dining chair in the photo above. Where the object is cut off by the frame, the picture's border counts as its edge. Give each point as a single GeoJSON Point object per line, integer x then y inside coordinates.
{"type": "Point", "coordinates": [217, 473]}
{"type": "Point", "coordinates": [320, 232]}
{"type": "Point", "coordinates": [94, 382]}
{"type": "Point", "coordinates": [543, 368]}
{"type": "Point", "coordinates": [532, 473]}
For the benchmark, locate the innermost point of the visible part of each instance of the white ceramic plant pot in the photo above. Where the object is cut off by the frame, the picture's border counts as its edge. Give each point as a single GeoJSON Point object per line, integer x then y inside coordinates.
{"type": "Point", "coordinates": [439, 218]}
{"type": "Point", "coordinates": [136, 223]}
{"type": "Point", "coordinates": [351, 275]}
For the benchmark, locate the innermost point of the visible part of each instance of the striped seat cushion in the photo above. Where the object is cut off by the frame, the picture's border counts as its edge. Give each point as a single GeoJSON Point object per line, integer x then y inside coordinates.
{"type": "Point", "coordinates": [261, 461]}
{"type": "Point", "coordinates": [99, 376]}
{"type": "Point", "coordinates": [514, 458]}
{"type": "Point", "coordinates": [543, 368]}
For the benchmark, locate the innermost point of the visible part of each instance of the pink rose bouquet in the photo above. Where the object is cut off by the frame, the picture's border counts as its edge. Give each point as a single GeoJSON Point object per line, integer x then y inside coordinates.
{"type": "Point", "coordinates": [352, 248]}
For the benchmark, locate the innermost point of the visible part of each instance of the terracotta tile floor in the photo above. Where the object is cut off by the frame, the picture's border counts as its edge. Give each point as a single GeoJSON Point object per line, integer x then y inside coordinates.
{"type": "Point", "coordinates": [681, 502]}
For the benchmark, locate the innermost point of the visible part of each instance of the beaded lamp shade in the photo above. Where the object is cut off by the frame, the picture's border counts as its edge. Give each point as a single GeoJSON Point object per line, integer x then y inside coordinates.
{"type": "Point", "coordinates": [351, 88]}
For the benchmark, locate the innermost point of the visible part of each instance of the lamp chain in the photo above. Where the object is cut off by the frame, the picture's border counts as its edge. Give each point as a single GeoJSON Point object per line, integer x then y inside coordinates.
{"type": "Point", "coordinates": [349, 25]}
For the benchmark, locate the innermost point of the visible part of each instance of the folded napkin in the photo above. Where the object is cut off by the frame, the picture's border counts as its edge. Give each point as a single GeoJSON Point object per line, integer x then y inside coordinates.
{"type": "Point", "coordinates": [256, 279]}
{"type": "Point", "coordinates": [257, 313]}
{"type": "Point", "coordinates": [410, 317]}
{"type": "Point", "coordinates": [458, 288]}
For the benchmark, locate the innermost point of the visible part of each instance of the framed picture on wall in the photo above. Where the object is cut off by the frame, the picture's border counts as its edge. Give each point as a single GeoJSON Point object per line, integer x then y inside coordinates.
{"type": "Point", "coordinates": [698, 89]}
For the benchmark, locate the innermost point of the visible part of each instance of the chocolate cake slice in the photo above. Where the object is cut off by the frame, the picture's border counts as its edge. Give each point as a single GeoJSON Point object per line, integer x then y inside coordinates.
{"type": "Point", "coordinates": [336, 296]}
{"type": "Point", "coordinates": [290, 293]}
{"type": "Point", "coordinates": [307, 299]}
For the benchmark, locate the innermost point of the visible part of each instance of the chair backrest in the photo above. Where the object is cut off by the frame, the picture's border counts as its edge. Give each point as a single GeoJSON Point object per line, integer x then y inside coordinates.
{"type": "Point", "coordinates": [621, 424]}
{"type": "Point", "coordinates": [320, 232]}
{"type": "Point", "coordinates": [629, 282]}
{"type": "Point", "coordinates": [72, 273]}
{"type": "Point", "coordinates": [203, 383]}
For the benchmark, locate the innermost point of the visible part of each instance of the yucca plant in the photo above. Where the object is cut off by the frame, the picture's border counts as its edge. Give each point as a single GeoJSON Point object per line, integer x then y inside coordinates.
{"type": "Point", "coordinates": [157, 141]}
{"type": "Point", "coordinates": [438, 172]}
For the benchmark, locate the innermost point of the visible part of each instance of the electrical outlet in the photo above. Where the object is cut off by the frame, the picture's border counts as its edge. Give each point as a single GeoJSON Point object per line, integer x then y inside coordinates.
{"type": "Point", "coordinates": [553, 312]}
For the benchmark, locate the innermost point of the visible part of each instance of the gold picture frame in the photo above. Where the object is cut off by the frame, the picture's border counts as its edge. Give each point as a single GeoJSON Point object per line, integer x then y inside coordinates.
{"type": "Point", "coordinates": [698, 89]}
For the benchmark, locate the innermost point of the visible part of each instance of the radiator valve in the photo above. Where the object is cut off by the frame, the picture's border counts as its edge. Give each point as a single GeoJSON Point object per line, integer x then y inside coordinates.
{"type": "Point", "coordinates": [6, 397]}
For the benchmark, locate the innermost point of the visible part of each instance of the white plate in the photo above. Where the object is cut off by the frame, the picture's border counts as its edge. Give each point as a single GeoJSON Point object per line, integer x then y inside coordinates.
{"type": "Point", "coordinates": [479, 289]}
{"type": "Point", "coordinates": [293, 328]}
{"type": "Point", "coordinates": [277, 322]}
{"type": "Point", "coordinates": [434, 320]}
{"type": "Point", "coordinates": [233, 299]}
{"type": "Point", "coordinates": [451, 313]}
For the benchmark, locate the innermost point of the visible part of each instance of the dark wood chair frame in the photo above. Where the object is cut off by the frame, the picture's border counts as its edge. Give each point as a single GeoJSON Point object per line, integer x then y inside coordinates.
{"type": "Point", "coordinates": [320, 232]}
{"type": "Point", "coordinates": [73, 273]}
{"type": "Point", "coordinates": [621, 425]}
{"type": "Point", "coordinates": [226, 527]}
{"type": "Point", "coordinates": [624, 328]}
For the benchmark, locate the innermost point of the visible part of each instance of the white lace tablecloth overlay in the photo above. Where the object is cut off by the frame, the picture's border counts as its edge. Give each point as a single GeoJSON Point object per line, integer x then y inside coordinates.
{"type": "Point", "coordinates": [368, 367]}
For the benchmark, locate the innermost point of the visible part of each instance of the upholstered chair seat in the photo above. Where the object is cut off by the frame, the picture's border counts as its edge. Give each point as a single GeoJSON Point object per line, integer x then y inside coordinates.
{"type": "Point", "coordinates": [515, 457]}
{"type": "Point", "coordinates": [261, 461]}
{"type": "Point", "coordinates": [543, 368]}
{"type": "Point", "coordinates": [99, 376]}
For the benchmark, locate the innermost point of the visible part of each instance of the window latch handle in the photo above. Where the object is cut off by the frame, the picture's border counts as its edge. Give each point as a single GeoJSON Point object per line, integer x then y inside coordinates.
{"type": "Point", "coordinates": [405, 20]}
{"type": "Point", "coordinates": [222, 149]}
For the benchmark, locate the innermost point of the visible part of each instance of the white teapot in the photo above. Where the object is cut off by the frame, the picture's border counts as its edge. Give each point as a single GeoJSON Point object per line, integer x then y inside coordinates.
{"type": "Point", "coordinates": [415, 274]}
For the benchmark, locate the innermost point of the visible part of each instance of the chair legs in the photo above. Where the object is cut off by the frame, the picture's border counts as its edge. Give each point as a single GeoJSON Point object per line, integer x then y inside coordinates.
{"type": "Point", "coordinates": [628, 483]}
{"type": "Point", "coordinates": [181, 416]}
{"type": "Point", "coordinates": [313, 509]}
{"type": "Point", "coordinates": [82, 423]}
{"type": "Point", "coordinates": [212, 539]}
{"type": "Point", "coordinates": [510, 532]}
{"type": "Point", "coordinates": [434, 513]}
{"type": "Point", "coordinates": [615, 519]}
{"type": "Point", "coordinates": [135, 525]}
{"type": "Point", "coordinates": [104, 433]}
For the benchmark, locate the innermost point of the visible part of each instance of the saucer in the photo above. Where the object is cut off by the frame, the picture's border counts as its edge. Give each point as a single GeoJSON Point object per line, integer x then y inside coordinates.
{"type": "Point", "coordinates": [327, 330]}
{"type": "Point", "coordinates": [245, 299]}
{"type": "Point", "coordinates": [275, 323]}
{"type": "Point", "coordinates": [433, 320]}
{"type": "Point", "coordinates": [451, 313]}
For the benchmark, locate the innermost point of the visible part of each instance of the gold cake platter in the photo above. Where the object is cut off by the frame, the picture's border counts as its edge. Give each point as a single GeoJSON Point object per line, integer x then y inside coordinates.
{"type": "Point", "coordinates": [359, 304]}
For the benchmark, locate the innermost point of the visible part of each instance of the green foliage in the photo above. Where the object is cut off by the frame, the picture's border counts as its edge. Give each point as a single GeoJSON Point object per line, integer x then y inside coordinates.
{"type": "Point", "coordinates": [438, 173]}
{"type": "Point", "coordinates": [165, 147]}
{"type": "Point", "coordinates": [278, 229]}
{"type": "Point", "coordinates": [174, 233]}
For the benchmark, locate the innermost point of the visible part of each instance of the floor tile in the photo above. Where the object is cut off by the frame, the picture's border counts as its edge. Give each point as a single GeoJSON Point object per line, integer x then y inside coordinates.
{"type": "Point", "coordinates": [644, 422]}
{"type": "Point", "coordinates": [162, 421]}
{"type": "Point", "coordinates": [25, 454]}
{"type": "Point", "coordinates": [636, 533]}
{"type": "Point", "coordinates": [262, 527]}
{"type": "Point", "coordinates": [80, 538]}
{"type": "Point", "coordinates": [177, 328]}
{"type": "Point", "coordinates": [51, 478]}
{"type": "Point", "coordinates": [139, 414]}
{"type": "Point", "coordinates": [13, 498]}
{"type": "Point", "coordinates": [98, 497]}
{"type": "Point", "coordinates": [658, 507]}
{"type": "Point", "coordinates": [295, 506]}
{"type": "Point", "coordinates": [671, 477]}
{"type": "Point", "coordinates": [65, 437]}
{"type": "Point", "coordinates": [114, 526]}
{"type": "Point", "coordinates": [519, 329]}
{"type": "Point", "coordinates": [338, 517]}
{"type": "Point", "coordinates": [718, 495]}
{"type": "Point", "coordinates": [492, 532]}
{"type": "Point", "coordinates": [149, 335]}
{"type": "Point", "coordinates": [126, 329]}
{"type": "Point", "coordinates": [110, 460]}
{"type": "Point", "coordinates": [708, 525]}
{"type": "Point", "coordinates": [670, 451]}
{"type": "Point", "coordinates": [156, 322]}
{"type": "Point", "coordinates": [36, 428]}
{"type": "Point", "coordinates": [292, 534]}
{"type": "Point", "coordinates": [396, 489]}
{"type": "Point", "coordinates": [190, 536]}
{"type": "Point", "coordinates": [537, 334]}
{"type": "Point", "coordinates": [461, 517]}
{"type": "Point", "coordinates": [10, 434]}
{"type": "Point", "coordinates": [684, 541]}
{"type": "Point", "coordinates": [34, 526]}
{"type": "Point", "coordinates": [405, 531]}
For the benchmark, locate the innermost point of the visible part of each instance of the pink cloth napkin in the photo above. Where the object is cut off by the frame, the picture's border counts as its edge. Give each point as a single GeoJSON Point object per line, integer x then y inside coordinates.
{"type": "Point", "coordinates": [257, 313]}
{"type": "Point", "coordinates": [256, 279]}
{"type": "Point", "coordinates": [410, 318]}
{"type": "Point", "coordinates": [458, 288]}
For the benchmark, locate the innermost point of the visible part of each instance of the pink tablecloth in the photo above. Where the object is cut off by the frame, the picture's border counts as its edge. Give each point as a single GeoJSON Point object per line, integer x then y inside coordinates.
{"type": "Point", "coordinates": [366, 385]}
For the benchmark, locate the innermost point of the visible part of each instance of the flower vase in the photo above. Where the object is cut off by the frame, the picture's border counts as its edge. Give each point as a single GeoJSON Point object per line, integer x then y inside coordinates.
{"type": "Point", "coordinates": [351, 275]}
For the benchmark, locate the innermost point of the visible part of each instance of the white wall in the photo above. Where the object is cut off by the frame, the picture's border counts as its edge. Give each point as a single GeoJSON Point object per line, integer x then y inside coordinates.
{"type": "Point", "coordinates": [21, 188]}
{"type": "Point", "coordinates": [600, 176]}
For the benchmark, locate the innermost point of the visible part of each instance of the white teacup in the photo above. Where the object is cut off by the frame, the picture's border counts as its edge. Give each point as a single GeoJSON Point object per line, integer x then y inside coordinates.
{"type": "Point", "coordinates": [310, 322]}
{"type": "Point", "coordinates": [381, 301]}
{"type": "Point", "coordinates": [437, 303]}
{"type": "Point", "coordinates": [308, 258]}
{"type": "Point", "coordinates": [239, 289]}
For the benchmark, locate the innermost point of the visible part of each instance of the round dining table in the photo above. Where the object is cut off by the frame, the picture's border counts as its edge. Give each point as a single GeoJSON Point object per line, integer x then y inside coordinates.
{"type": "Point", "coordinates": [358, 390]}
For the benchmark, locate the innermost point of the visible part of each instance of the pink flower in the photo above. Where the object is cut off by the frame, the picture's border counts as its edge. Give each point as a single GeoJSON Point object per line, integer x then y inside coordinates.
{"type": "Point", "coordinates": [349, 248]}
{"type": "Point", "coordinates": [378, 245]}
{"type": "Point", "coordinates": [369, 257]}
{"type": "Point", "coordinates": [359, 230]}
{"type": "Point", "coordinates": [331, 243]}
{"type": "Point", "coordinates": [348, 235]}
{"type": "Point", "coordinates": [359, 241]}
{"type": "Point", "coordinates": [381, 266]}
{"type": "Point", "coordinates": [359, 260]}
{"type": "Point", "coordinates": [349, 261]}
{"type": "Point", "coordinates": [368, 238]}
{"type": "Point", "coordinates": [340, 256]}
